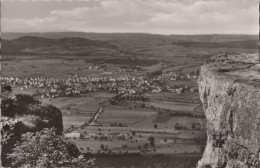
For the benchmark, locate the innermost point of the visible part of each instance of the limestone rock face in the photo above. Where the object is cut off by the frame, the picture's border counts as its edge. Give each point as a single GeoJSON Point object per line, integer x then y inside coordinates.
{"type": "Point", "coordinates": [229, 89]}
{"type": "Point", "coordinates": [21, 114]}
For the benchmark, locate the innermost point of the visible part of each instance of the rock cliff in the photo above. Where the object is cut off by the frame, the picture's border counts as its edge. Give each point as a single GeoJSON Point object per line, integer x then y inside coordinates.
{"type": "Point", "coordinates": [229, 87]}
{"type": "Point", "coordinates": [21, 114]}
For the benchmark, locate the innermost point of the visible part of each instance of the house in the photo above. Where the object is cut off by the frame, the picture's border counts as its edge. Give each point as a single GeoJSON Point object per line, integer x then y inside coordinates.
{"type": "Point", "coordinates": [73, 134]}
{"type": "Point", "coordinates": [53, 91]}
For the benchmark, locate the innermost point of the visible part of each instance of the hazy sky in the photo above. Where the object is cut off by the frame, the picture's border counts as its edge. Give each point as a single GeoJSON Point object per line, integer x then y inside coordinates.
{"type": "Point", "coordinates": [136, 16]}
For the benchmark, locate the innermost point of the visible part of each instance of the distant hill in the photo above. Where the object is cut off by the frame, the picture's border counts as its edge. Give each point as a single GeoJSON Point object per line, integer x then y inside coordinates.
{"type": "Point", "coordinates": [113, 44]}
{"type": "Point", "coordinates": [40, 45]}
{"type": "Point", "coordinates": [248, 44]}
{"type": "Point", "coordinates": [120, 36]}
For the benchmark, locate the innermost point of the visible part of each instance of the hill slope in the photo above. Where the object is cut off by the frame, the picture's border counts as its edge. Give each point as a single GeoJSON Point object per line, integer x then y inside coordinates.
{"type": "Point", "coordinates": [121, 36]}
{"type": "Point", "coordinates": [41, 45]}
{"type": "Point", "coordinates": [111, 44]}
{"type": "Point", "coordinates": [247, 44]}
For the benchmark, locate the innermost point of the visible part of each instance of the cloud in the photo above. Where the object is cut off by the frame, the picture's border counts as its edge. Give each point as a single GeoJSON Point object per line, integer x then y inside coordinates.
{"type": "Point", "coordinates": [151, 17]}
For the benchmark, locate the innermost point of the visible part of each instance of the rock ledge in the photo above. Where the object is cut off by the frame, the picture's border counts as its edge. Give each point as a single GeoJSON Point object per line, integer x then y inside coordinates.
{"type": "Point", "coordinates": [229, 87]}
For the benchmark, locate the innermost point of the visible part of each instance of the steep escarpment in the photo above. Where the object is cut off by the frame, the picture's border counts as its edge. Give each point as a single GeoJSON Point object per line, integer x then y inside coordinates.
{"type": "Point", "coordinates": [21, 114]}
{"type": "Point", "coordinates": [230, 92]}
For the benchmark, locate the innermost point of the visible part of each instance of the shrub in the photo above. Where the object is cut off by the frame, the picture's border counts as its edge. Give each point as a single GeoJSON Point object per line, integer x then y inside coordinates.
{"type": "Point", "coordinates": [102, 147]}
{"type": "Point", "coordinates": [146, 145]}
{"type": "Point", "coordinates": [47, 149]}
{"type": "Point", "coordinates": [151, 141]}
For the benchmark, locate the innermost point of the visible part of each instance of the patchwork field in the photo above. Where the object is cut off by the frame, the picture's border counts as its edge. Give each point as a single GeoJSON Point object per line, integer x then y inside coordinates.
{"type": "Point", "coordinates": [118, 122]}
{"type": "Point", "coordinates": [127, 126]}
{"type": "Point", "coordinates": [173, 106]}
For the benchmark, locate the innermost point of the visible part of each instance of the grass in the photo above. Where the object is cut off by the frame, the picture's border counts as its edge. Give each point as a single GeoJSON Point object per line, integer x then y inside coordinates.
{"type": "Point", "coordinates": [74, 120]}
{"type": "Point", "coordinates": [182, 107]}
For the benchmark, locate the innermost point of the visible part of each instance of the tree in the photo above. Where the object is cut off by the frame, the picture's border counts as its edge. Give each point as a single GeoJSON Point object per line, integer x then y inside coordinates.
{"type": "Point", "coordinates": [193, 126]}
{"type": "Point", "coordinates": [102, 147]}
{"type": "Point", "coordinates": [81, 136]}
{"type": "Point", "coordinates": [47, 149]}
{"type": "Point", "coordinates": [151, 140]}
{"type": "Point", "coordinates": [146, 145]}
{"type": "Point", "coordinates": [133, 133]}
{"type": "Point", "coordinates": [177, 126]}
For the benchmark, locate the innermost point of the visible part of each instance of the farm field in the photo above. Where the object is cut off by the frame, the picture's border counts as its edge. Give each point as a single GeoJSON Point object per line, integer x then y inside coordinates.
{"type": "Point", "coordinates": [173, 160]}
{"type": "Point", "coordinates": [173, 106]}
{"type": "Point", "coordinates": [118, 122]}
{"type": "Point", "coordinates": [45, 67]}
{"type": "Point", "coordinates": [74, 120]}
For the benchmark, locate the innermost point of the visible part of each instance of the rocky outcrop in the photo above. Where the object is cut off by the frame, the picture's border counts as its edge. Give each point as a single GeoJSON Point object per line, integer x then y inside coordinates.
{"type": "Point", "coordinates": [229, 89]}
{"type": "Point", "coordinates": [21, 114]}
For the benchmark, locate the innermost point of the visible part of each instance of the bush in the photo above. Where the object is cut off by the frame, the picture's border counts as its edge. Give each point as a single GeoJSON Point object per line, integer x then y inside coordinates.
{"type": "Point", "coordinates": [102, 147]}
{"type": "Point", "coordinates": [151, 140]}
{"type": "Point", "coordinates": [47, 149]}
{"type": "Point", "coordinates": [146, 145]}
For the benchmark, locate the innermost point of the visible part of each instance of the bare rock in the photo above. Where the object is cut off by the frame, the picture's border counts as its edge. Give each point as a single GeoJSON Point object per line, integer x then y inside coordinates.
{"type": "Point", "coordinates": [229, 89]}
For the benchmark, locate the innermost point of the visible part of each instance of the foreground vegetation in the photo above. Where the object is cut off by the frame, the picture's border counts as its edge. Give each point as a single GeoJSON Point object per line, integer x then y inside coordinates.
{"type": "Point", "coordinates": [47, 149]}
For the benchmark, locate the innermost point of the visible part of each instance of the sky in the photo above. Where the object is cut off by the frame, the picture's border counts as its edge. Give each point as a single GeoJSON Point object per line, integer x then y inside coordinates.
{"type": "Point", "coordinates": [157, 17]}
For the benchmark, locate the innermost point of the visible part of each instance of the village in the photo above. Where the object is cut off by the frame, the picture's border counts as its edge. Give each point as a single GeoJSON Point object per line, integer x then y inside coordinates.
{"type": "Point", "coordinates": [124, 85]}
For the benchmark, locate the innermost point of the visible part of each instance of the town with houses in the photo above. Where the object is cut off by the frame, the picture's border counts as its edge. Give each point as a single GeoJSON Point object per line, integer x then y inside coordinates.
{"type": "Point", "coordinates": [125, 85]}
